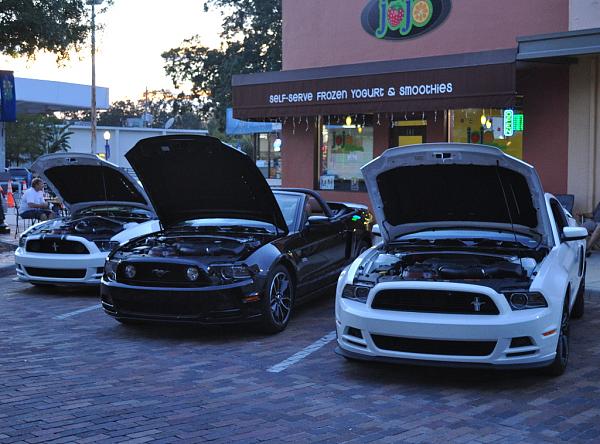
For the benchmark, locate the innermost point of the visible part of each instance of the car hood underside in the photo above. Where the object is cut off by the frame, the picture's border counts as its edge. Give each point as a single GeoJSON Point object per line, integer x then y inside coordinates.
{"type": "Point", "coordinates": [454, 186]}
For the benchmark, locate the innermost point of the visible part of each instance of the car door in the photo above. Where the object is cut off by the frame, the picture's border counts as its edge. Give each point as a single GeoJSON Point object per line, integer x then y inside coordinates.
{"type": "Point", "coordinates": [571, 254]}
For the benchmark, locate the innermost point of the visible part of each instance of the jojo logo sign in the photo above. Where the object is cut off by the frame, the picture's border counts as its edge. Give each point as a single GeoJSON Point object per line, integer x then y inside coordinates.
{"type": "Point", "coordinates": [403, 19]}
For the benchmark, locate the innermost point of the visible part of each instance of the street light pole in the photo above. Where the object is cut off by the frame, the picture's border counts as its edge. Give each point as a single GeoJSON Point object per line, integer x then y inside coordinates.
{"type": "Point", "coordinates": [93, 104]}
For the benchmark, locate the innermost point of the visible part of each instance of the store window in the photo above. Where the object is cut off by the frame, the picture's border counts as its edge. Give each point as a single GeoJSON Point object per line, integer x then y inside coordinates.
{"type": "Point", "coordinates": [268, 155]}
{"type": "Point", "coordinates": [343, 150]}
{"type": "Point", "coordinates": [489, 127]}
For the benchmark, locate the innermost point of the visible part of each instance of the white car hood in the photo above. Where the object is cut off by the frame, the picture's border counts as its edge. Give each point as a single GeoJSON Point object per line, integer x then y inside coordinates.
{"type": "Point", "coordinates": [83, 180]}
{"type": "Point", "coordinates": [452, 185]}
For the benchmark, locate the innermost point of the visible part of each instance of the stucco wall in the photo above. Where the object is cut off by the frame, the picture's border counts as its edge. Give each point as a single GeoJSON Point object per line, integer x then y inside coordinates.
{"type": "Point", "coordinates": [584, 14]}
{"type": "Point", "coordinates": [545, 90]}
{"type": "Point", "coordinates": [584, 133]}
{"type": "Point", "coordinates": [325, 33]}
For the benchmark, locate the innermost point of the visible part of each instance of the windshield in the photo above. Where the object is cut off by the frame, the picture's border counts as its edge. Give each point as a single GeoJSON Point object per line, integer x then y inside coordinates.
{"type": "Point", "coordinates": [472, 238]}
{"type": "Point", "coordinates": [289, 204]}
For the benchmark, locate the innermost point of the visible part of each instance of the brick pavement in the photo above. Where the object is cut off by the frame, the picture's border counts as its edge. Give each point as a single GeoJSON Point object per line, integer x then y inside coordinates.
{"type": "Point", "coordinates": [89, 379]}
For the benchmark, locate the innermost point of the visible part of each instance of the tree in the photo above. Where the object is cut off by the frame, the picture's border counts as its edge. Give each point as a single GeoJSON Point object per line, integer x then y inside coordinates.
{"type": "Point", "coordinates": [33, 135]}
{"type": "Point", "coordinates": [29, 26]}
{"type": "Point", "coordinates": [252, 43]}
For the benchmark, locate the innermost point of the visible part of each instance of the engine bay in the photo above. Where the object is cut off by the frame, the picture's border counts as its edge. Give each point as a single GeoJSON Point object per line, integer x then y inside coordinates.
{"type": "Point", "coordinates": [191, 246]}
{"type": "Point", "coordinates": [89, 227]}
{"type": "Point", "coordinates": [487, 269]}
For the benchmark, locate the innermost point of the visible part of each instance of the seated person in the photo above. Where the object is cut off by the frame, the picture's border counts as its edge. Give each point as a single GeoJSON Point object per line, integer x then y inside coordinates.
{"type": "Point", "coordinates": [33, 205]}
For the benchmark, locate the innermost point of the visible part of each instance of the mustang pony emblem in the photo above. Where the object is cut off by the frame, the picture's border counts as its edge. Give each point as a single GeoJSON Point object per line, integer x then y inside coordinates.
{"type": "Point", "coordinates": [477, 303]}
{"type": "Point", "coordinates": [159, 273]}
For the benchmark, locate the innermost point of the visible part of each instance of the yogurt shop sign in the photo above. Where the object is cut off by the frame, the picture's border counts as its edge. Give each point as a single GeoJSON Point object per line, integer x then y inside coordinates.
{"type": "Point", "coordinates": [403, 19]}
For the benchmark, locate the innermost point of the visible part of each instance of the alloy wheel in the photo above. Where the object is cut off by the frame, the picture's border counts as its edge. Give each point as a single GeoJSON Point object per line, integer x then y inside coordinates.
{"type": "Point", "coordinates": [280, 298]}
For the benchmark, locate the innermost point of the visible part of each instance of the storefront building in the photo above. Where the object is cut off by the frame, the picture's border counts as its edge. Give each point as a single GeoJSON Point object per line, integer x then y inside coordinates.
{"type": "Point", "coordinates": [361, 76]}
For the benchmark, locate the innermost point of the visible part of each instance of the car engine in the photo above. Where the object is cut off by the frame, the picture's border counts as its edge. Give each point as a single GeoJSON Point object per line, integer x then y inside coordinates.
{"type": "Point", "coordinates": [485, 269]}
{"type": "Point", "coordinates": [191, 246]}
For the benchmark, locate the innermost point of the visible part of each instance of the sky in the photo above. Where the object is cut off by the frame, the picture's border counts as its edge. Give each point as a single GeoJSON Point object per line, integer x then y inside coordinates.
{"type": "Point", "coordinates": [128, 48]}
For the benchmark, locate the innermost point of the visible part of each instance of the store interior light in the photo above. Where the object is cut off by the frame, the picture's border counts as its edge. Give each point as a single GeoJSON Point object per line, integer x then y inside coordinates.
{"type": "Point", "coordinates": [488, 124]}
{"type": "Point", "coordinates": [484, 119]}
{"type": "Point", "coordinates": [359, 128]}
{"type": "Point", "coordinates": [348, 120]}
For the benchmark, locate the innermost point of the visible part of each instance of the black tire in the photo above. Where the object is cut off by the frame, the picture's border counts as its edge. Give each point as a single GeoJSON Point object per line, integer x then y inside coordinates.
{"type": "Point", "coordinates": [579, 305]}
{"type": "Point", "coordinates": [559, 365]}
{"type": "Point", "coordinates": [278, 300]}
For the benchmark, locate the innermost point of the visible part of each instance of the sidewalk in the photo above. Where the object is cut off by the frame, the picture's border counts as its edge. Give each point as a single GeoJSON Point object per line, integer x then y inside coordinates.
{"type": "Point", "coordinates": [8, 243]}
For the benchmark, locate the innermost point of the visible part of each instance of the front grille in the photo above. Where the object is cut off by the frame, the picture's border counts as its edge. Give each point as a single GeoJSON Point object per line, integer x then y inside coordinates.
{"type": "Point", "coordinates": [55, 273]}
{"type": "Point", "coordinates": [55, 246]}
{"type": "Point", "coordinates": [223, 304]}
{"type": "Point", "coordinates": [434, 347]}
{"type": "Point", "coordinates": [158, 274]}
{"type": "Point", "coordinates": [435, 301]}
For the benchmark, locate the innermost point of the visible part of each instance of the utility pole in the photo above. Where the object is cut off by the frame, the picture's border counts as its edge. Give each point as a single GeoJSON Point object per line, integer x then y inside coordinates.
{"type": "Point", "coordinates": [93, 104]}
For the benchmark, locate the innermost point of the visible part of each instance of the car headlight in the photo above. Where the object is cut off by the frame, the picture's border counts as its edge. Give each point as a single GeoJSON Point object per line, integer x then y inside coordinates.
{"type": "Point", "coordinates": [110, 269]}
{"type": "Point", "coordinates": [523, 300]}
{"type": "Point", "coordinates": [107, 245]}
{"type": "Point", "coordinates": [358, 293]}
{"type": "Point", "coordinates": [22, 241]}
{"type": "Point", "coordinates": [232, 272]}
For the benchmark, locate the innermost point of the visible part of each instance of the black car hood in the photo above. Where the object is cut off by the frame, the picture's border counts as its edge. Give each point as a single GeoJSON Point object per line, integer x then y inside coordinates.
{"type": "Point", "coordinates": [198, 177]}
{"type": "Point", "coordinates": [83, 180]}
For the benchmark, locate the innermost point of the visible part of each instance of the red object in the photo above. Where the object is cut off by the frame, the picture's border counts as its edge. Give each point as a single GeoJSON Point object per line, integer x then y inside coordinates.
{"type": "Point", "coordinates": [475, 138]}
{"type": "Point", "coordinates": [10, 200]}
{"type": "Point", "coordinates": [395, 16]}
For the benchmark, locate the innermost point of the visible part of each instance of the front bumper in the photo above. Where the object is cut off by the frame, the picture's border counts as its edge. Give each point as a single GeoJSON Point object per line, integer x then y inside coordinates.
{"type": "Point", "coordinates": [235, 303]}
{"type": "Point", "coordinates": [447, 339]}
{"type": "Point", "coordinates": [60, 269]}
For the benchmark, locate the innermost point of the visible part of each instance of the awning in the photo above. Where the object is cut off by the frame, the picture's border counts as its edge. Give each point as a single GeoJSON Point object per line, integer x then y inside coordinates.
{"type": "Point", "coordinates": [484, 79]}
{"type": "Point", "coordinates": [562, 44]}
{"type": "Point", "coordinates": [235, 127]}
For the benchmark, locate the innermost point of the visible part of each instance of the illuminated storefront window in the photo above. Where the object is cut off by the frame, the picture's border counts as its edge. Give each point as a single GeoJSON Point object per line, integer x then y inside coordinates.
{"type": "Point", "coordinates": [343, 150]}
{"type": "Point", "coordinates": [268, 155]}
{"type": "Point", "coordinates": [495, 127]}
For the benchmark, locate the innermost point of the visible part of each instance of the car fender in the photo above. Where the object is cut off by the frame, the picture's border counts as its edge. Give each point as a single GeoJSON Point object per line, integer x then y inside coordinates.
{"type": "Point", "coordinates": [552, 280]}
{"type": "Point", "coordinates": [269, 256]}
{"type": "Point", "coordinates": [137, 230]}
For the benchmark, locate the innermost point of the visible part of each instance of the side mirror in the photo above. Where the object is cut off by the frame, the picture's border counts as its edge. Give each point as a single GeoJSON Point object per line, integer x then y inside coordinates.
{"type": "Point", "coordinates": [317, 220]}
{"type": "Point", "coordinates": [574, 233]}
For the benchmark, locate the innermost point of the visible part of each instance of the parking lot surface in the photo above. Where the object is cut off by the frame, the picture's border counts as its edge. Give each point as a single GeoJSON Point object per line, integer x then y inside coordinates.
{"type": "Point", "coordinates": [69, 373]}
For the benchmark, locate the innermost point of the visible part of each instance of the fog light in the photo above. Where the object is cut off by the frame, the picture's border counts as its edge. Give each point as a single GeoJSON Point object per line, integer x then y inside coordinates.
{"type": "Point", "coordinates": [192, 274]}
{"type": "Point", "coordinates": [130, 271]}
{"type": "Point", "coordinates": [519, 300]}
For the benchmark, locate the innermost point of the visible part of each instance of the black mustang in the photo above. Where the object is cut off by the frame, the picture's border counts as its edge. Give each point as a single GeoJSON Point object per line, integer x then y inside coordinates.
{"type": "Point", "coordinates": [231, 249]}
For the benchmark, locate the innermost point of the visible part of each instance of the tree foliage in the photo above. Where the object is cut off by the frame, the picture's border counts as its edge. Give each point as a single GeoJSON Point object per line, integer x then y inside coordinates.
{"type": "Point", "coordinates": [33, 135]}
{"type": "Point", "coordinates": [29, 26]}
{"type": "Point", "coordinates": [162, 105]}
{"type": "Point", "coordinates": [251, 43]}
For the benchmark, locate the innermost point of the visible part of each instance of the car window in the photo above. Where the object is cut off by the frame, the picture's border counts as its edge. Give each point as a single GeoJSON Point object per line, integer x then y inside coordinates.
{"type": "Point", "coordinates": [559, 216]}
{"type": "Point", "coordinates": [289, 205]}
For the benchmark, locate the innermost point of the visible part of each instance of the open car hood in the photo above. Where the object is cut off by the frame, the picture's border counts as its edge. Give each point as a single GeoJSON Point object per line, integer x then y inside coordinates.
{"type": "Point", "coordinates": [84, 180]}
{"type": "Point", "coordinates": [452, 185]}
{"type": "Point", "coordinates": [196, 177]}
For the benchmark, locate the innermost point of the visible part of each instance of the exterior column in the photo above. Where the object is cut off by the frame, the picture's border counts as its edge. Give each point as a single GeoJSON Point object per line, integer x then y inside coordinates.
{"type": "Point", "coordinates": [2, 146]}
